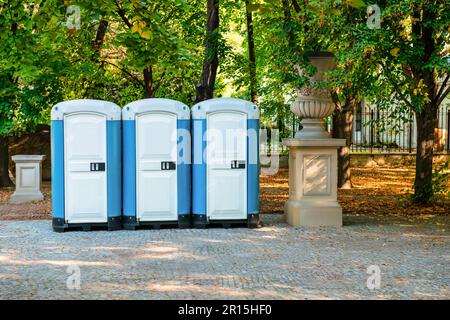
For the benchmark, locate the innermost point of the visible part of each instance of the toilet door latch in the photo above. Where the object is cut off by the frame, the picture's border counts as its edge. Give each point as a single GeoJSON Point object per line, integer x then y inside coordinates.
{"type": "Point", "coordinates": [168, 165]}
{"type": "Point", "coordinates": [238, 164]}
{"type": "Point", "coordinates": [98, 166]}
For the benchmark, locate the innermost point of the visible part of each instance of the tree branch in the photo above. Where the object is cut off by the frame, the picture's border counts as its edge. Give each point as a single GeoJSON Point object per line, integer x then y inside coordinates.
{"type": "Point", "coordinates": [100, 36]}
{"type": "Point", "coordinates": [444, 95]}
{"type": "Point", "coordinates": [121, 13]}
{"type": "Point", "coordinates": [396, 87]}
{"type": "Point", "coordinates": [441, 89]}
{"type": "Point", "coordinates": [159, 82]}
{"type": "Point", "coordinates": [335, 98]}
{"type": "Point", "coordinates": [132, 77]}
{"type": "Point", "coordinates": [296, 6]}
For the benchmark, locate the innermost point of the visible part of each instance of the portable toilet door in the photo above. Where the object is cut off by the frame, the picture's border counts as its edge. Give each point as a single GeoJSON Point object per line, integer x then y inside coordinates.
{"type": "Point", "coordinates": [157, 158]}
{"type": "Point", "coordinates": [86, 165]}
{"type": "Point", "coordinates": [225, 188]}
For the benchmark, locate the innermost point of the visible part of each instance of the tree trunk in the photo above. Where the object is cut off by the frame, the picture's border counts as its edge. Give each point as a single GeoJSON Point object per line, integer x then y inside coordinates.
{"type": "Point", "coordinates": [280, 123]}
{"type": "Point", "coordinates": [287, 21]}
{"type": "Point", "coordinates": [251, 52]}
{"type": "Point", "coordinates": [205, 89]}
{"type": "Point", "coordinates": [97, 44]}
{"type": "Point", "coordinates": [342, 129]}
{"type": "Point", "coordinates": [148, 82]}
{"type": "Point", "coordinates": [426, 117]}
{"type": "Point", "coordinates": [5, 181]}
{"type": "Point", "coordinates": [426, 123]}
{"type": "Point", "coordinates": [100, 37]}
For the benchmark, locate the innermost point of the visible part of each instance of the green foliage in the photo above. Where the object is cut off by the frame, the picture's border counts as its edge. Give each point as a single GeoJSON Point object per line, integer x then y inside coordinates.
{"type": "Point", "coordinates": [439, 187]}
{"type": "Point", "coordinates": [27, 69]}
{"type": "Point", "coordinates": [42, 61]}
{"type": "Point", "coordinates": [404, 61]}
{"type": "Point", "coordinates": [441, 182]}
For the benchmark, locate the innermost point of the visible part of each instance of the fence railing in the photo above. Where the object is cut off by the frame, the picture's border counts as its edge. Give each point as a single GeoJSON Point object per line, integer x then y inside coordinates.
{"type": "Point", "coordinates": [376, 131]}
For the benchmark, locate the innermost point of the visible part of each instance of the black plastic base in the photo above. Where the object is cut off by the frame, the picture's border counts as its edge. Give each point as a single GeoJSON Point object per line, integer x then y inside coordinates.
{"type": "Point", "coordinates": [253, 220]}
{"type": "Point", "coordinates": [184, 221]}
{"type": "Point", "coordinates": [199, 221]}
{"type": "Point", "coordinates": [59, 225]}
{"type": "Point", "coordinates": [228, 223]}
{"type": "Point", "coordinates": [114, 223]}
{"type": "Point", "coordinates": [131, 223]}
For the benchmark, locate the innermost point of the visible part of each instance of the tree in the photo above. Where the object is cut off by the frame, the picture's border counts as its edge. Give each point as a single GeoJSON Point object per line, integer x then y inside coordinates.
{"type": "Point", "coordinates": [278, 54]}
{"type": "Point", "coordinates": [411, 48]}
{"type": "Point", "coordinates": [26, 74]}
{"type": "Point", "coordinates": [9, 25]}
{"type": "Point", "coordinates": [251, 51]}
{"type": "Point", "coordinates": [149, 34]}
{"type": "Point", "coordinates": [342, 129]}
{"type": "Point", "coordinates": [205, 88]}
{"type": "Point", "coordinates": [118, 52]}
{"type": "Point", "coordinates": [5, 181]}
{"type": "Point", "coordinates": [348, 80]}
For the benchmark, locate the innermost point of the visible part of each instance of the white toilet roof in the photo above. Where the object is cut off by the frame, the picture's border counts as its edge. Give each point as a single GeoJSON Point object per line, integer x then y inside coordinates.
{"type": "Point", "coordinates": [155, 104]}
{"type": "Point", "coordinates": [200, 110]}
{"type": "Point", "coordinates": [111, 110]}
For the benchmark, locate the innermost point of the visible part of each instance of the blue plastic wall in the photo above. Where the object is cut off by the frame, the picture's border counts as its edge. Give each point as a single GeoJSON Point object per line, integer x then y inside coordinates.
{"type": "Point", "coordinates": [57, 147]}
{"type": "Point", "coordinates": [184, 168]}
{"type": "Point", "coordinates": [129, 167]}
{"type": "Point", "coordinates": [114, 167]}
{"type": "Point", "coordinates": [198, 167]}
{"type": "Point", "coordinates": [253, 166]}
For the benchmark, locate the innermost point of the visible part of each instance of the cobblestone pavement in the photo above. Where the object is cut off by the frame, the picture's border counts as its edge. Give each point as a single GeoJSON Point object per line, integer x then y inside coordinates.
{"type": "Point", "coordinates": [273, 262]}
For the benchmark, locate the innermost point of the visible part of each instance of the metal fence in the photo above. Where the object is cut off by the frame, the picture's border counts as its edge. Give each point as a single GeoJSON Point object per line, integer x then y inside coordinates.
{"type": "Point", "coordinates": [374, 131]}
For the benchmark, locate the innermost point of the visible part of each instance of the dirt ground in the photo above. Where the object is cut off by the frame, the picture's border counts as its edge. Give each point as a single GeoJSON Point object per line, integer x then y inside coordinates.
{"type": "Point", "coordinates": [378, 191]}
{"type": "Point", "coordinates": [26, 211]}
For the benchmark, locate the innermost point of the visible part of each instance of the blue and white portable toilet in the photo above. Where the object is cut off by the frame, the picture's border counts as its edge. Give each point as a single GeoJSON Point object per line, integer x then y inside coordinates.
{"type": "Point", "coordinates": [86, 165]}
{"type": "Point", "coordinates": [225, 169]}
{"type": "Point", "coordinates": [156, 163]}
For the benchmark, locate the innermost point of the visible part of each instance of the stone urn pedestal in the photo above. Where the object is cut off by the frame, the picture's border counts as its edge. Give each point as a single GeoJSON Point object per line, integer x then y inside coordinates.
{"type": "Point", "coordinates": [313, 182]}
{"type": "Point", "coordinates": [313, 158]}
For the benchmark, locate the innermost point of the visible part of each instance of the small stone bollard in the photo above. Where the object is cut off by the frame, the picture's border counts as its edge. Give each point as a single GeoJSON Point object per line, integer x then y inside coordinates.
{"type": "Point", "coordinates": [28, 178]}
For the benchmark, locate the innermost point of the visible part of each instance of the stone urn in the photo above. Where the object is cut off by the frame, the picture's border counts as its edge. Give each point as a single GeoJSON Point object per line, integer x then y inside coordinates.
{"type": "Point", "coordinates": [314, 104]}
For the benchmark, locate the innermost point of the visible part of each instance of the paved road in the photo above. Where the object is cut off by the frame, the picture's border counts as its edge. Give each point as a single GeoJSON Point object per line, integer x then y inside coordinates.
{"type": "Point", "coordinates": [273, 262]}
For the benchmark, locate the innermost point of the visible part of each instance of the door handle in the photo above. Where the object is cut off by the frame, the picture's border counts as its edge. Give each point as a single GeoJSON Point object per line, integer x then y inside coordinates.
{"type": "Point", "coordinates": [238, 164]}
{"type": "Point", "coordinates": [168, 165]}
{"type": "Point", "coordinates": [98, 166]}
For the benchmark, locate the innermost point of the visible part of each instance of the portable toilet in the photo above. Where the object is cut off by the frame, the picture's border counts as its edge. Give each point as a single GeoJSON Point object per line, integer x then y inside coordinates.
{"type": "Point", "coordinates": [86, 165]}
{"type": "Point", "coordinates": [225, 169]}
{"type": "Point", "coordinates": [156, 163]}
